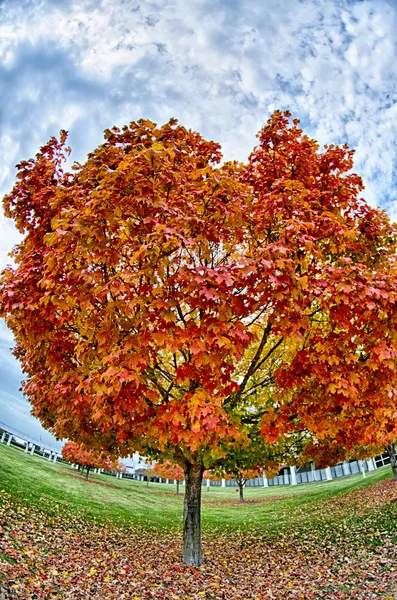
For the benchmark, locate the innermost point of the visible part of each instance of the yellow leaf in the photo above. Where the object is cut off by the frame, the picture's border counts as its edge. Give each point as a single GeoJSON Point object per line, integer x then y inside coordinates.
{"type": "Point", "coordinates": [303, 282]}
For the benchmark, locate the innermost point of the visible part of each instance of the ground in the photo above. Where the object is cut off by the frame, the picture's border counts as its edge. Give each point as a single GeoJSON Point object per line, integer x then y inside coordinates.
{"type": "Point", "coordinates": [335, 542]}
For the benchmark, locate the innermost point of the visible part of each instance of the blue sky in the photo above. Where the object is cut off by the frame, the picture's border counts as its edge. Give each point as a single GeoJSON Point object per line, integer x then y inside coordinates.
{"type": "Point", "coordinates": [220, 67]}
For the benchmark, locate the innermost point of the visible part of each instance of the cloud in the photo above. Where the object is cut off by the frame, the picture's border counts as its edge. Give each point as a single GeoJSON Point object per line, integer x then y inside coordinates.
{"type": "Point", "coordinates": [219, 66]}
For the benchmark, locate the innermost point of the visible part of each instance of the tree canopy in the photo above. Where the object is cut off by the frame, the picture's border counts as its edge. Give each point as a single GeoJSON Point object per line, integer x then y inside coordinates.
{"type": "Point", "coordinates": [167, 303]}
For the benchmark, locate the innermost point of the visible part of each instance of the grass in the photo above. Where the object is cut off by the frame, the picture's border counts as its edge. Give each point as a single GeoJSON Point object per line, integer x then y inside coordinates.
{"type": "Point", "coordinates": [64, 537]}
{"type": "Point", "coordinates": [37, 482]}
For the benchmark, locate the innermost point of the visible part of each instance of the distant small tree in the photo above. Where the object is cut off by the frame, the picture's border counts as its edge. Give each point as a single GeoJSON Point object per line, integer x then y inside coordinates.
{"type": "Point", "coordinates": [149, 472]}
{"type": "Point", "coordinates": [69, 451]}
{"type": "Point", "coordinates": [86, 459]}
{"type": "Point", "coordinates": [210, 476]}
{"type": "Point", "coordinates": [114, 465]}
{"type": "Point", "coordinates": [90, 459]}
{"type": "Point", "coordinates": [252, 457]}
{"type": "Point", "coordinates": [241, 477]}
{"type": "Point", "coordinates": [168, 470]}
{"type": "Point", "coordinates": [215, 476]}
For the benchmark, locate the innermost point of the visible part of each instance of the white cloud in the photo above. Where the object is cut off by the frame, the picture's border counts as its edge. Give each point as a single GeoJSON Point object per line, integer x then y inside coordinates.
{"type": "Point", "coordinates": [219, 67]}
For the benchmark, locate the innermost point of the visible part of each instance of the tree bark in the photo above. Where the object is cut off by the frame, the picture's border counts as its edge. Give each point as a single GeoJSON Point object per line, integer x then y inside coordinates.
{"type": "Point", "coordinates": [241, 488]}
{"type": "Point", "coordinates": [191, 515]}
{"type": "Point", "coordinates": [88, 470]}
{"type": "Point", "coordinates": [391, 450]}
{"type": "Point", "coordinates": [177, 486]}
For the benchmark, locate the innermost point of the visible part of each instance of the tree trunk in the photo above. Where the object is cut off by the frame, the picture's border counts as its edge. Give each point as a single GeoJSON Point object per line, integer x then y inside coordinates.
{"type": "Point", "coordinates": [241, 488]}
{"type": "Point", "coordinates": [177, 486]}
{"type": "Point", "coordinates": [191, 515]}
{"type": "Point", "coordinates": [391, 450]}
{"type": "Point", "coordinates": [88, 470]}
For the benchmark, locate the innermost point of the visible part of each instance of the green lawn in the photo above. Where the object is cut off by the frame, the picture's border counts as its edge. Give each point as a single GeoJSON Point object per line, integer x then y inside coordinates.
{"type": "Point", "coordinates": [107, 539]}
{"type": "Point", "coordinates": [38, 482]}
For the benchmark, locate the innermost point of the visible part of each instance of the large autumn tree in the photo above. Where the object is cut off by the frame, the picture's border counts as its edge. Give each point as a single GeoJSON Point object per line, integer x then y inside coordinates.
{"type": "Point", "coordinates": [169, 304]}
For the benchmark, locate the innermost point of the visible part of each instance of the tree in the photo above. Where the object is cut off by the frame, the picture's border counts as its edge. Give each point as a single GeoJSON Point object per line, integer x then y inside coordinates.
{"type": "Point", "coordinates": [215, 476]}
{"type": "Point", "coordinates": [254, 457]}
{"type": "Point", "coordinates": [113, 465]}
{"type": "Point", "coordinates": [167, 470]}
{"type": "Point", "coordinates": [149, 474]}
{"type": "Point", "coordinates": [166, 304]}
{"type": "Point", "coordinates": [242, 476]}
{"type": "Point", "coordinates": [72, 452]}
{"type": "Point", "coordinates": [211, 476]}
{"type": "Point", "coordinates": [91, 459]}
{"type": "Point", "coordinates": [391, 450]}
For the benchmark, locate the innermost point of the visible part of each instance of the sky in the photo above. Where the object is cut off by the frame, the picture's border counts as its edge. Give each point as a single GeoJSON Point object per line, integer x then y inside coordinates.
{"type": "Point", "coordinates": [221, 67]}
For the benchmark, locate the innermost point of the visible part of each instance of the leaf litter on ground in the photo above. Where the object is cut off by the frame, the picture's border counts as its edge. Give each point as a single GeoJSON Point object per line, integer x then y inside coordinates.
{"type": "Point", "coordinates": [342, 548]}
